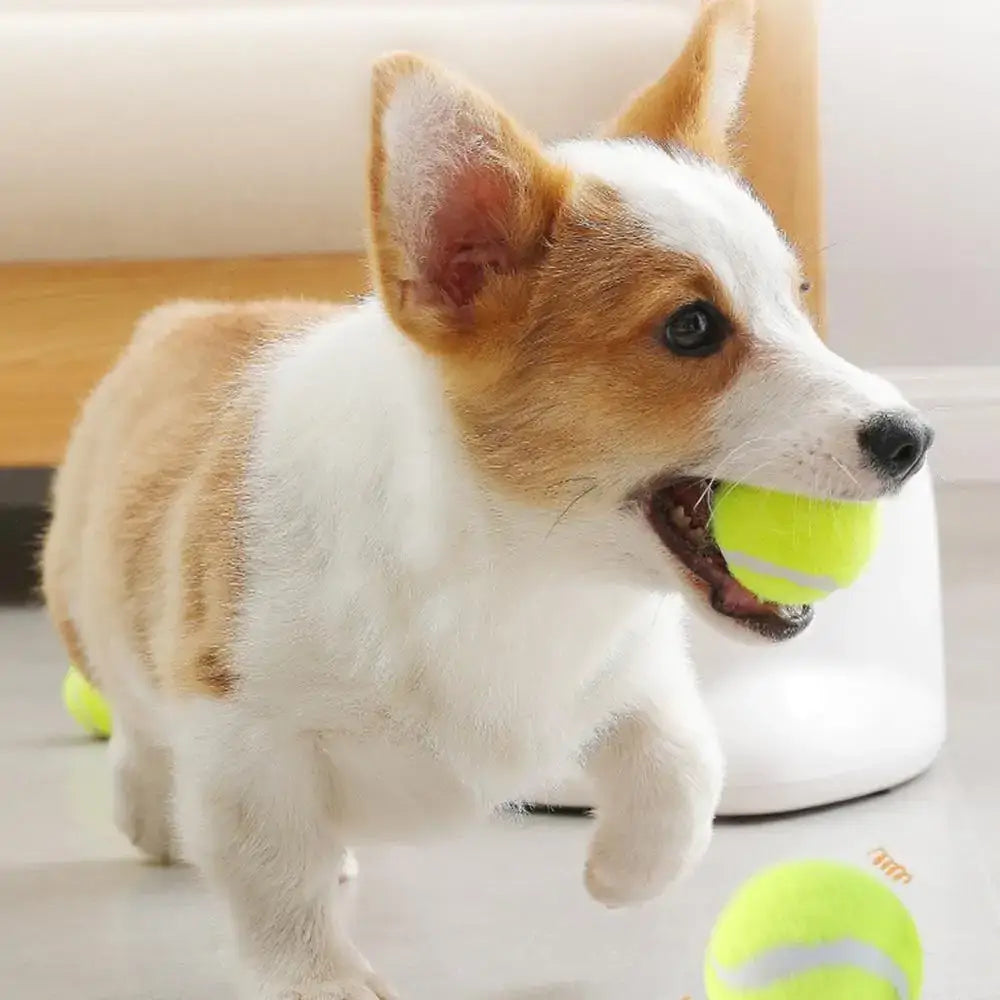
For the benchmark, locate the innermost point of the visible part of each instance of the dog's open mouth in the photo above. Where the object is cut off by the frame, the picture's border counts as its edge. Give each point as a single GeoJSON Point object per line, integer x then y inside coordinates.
{"type": "Point", "coordinates": [680, 514]}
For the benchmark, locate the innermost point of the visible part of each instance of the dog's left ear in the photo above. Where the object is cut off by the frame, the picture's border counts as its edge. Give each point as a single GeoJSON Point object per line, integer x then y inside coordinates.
{"type": "Point", "coordinates": [696, 101]}
{"type": "Point", "coordinates": [461, 204]}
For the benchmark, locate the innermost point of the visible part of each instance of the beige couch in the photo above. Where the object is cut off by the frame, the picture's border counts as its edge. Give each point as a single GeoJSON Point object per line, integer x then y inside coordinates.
{"type": "Point", "coordinates": [154, 148]}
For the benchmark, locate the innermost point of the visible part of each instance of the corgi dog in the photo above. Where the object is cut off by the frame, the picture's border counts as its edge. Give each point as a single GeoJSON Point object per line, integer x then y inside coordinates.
{"type": "Point", "coordinates": [350, 573]}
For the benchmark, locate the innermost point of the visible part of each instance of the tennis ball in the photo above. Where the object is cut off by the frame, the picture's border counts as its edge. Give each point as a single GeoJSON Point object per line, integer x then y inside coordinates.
{"type": "Point", "coordinates": [84, 702]}
{"type": "Point", "coordinates": [814, 930]}
{"type": "Point", "coordinates": [792, 549]}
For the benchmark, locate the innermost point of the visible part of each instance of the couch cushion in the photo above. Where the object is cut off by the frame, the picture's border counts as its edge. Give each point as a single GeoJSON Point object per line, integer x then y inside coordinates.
{"type": "Point", "coordinates": [160, 128]}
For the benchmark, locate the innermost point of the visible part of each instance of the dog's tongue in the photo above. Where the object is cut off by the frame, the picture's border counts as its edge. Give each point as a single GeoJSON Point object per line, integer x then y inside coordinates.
{"type": "Point", "coordinates": [733, 598]}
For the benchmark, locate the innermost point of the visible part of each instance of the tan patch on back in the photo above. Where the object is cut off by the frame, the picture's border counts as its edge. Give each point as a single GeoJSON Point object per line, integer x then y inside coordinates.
{"type": "Point", "coordinates": [145, 538]}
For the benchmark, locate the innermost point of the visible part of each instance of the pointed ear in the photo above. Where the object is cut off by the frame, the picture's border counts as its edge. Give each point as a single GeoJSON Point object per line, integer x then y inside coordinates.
{"type": "Point", "coordinates": [461, 202]}
{"type": "Point", "coordinates": [697, 99]}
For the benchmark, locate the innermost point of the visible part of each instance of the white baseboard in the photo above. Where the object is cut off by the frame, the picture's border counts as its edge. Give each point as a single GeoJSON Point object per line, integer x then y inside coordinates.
{"type": "Point", "coordinates": [963, 406]}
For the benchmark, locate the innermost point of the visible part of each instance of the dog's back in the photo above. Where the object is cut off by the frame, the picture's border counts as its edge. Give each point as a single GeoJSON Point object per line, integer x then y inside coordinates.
{"type": "Point", "coordinates": [142, 561]}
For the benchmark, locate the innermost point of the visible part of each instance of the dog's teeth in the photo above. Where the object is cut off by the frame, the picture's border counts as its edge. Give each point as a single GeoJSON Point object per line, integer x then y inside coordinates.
{"type": "Point", "coordinates": [680, 518]}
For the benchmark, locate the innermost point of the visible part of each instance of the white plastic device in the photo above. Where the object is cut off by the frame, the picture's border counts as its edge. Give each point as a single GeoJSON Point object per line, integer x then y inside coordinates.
{"type": "Point", "coordinates": [854, 705]}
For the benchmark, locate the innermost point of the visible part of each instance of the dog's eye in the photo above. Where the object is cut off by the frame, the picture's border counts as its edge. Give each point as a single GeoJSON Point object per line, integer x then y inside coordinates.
{"type": "Point", "coordinates": [695, 330]}
{"type": "Point", "coordinates": [805, 286]}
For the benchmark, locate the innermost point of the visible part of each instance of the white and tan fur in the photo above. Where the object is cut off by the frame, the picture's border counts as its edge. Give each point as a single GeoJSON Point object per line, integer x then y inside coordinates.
{"type": "Point", "coordinates": [365, 573]}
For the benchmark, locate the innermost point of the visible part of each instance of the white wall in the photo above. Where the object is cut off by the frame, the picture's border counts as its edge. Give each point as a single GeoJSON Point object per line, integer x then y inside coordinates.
{"type": "Point", "coordinates": [911, 118]}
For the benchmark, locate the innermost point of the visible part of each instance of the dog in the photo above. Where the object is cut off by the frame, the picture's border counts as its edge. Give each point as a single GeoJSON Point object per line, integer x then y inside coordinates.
{"type": "Point", "coordinates": [350, 573]}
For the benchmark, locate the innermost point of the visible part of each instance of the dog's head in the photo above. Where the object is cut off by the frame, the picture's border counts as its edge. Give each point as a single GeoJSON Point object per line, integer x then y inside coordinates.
{"type": "Point", "coordinates": [618, 320]}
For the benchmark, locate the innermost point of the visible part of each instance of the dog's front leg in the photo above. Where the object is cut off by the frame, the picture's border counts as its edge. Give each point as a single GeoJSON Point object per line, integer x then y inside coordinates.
{"type": "Point", "coordinates": [657, 773]}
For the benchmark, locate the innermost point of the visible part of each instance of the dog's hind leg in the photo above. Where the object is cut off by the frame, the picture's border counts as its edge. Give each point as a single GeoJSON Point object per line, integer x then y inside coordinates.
{"type": "Point", "coordinates": [255, 810]}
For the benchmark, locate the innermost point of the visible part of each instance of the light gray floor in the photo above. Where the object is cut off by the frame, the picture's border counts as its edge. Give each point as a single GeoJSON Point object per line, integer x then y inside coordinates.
{"type": "Point", "coordinates": [499, 914]}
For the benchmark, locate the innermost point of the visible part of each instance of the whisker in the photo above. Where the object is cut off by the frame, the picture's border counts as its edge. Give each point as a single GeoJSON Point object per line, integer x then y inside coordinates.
{"type": "Point", "coordinates": [656, 616]}
{"type": "Point", "coordinates": [555, 524]}
{"type": "Point", "coordinates": [753, 471]}
{"type": "Point", "coordinates": [717, 473]}
{"type": "Point", "coordinates": [843, 468]}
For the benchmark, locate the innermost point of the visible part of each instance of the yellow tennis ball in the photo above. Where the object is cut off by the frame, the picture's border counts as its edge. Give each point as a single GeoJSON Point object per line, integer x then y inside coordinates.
{"type": "Point", "coordinates": [84, 702]}
{"type": "Point", "coordinates": [814, 930]}
{"type": "Point", "coordinates": [792, 549]}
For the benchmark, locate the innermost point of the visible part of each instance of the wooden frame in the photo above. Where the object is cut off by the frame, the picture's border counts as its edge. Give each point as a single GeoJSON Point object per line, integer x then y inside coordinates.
{"type": "Point", "coordinates": [61, 325]}
{"type": "Point", "coordinates": [781, 143]}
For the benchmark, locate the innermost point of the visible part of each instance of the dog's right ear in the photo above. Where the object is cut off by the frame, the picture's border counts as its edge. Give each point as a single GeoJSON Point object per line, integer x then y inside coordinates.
{"type": "Point", "coordinates": [461, 202]}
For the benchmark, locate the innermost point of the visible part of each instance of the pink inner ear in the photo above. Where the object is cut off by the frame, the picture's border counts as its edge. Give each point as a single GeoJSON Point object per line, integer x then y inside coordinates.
{"type": "Point", "coordinates": [468, 235]}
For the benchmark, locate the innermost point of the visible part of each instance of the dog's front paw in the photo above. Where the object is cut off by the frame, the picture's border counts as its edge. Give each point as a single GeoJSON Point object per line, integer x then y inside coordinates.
{"type": "Point", "coordinates": [630, 864]}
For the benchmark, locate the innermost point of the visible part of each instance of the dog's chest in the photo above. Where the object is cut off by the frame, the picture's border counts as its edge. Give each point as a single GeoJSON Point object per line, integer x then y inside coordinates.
{"type": "Point", "coordinates": [470, 699]}
{"type": "Point", "coordinates": [450, 649]}
{"type": "Point", "coordinates": [391, 784]}
{"type": "Point", "coordinates": [423, 759]}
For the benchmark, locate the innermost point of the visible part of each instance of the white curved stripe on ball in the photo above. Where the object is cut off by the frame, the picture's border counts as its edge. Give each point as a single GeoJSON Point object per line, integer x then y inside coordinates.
{"type": "Point", "coordinates": [776, 964]}
{"type": "Point", "coordinates": [744, 560]}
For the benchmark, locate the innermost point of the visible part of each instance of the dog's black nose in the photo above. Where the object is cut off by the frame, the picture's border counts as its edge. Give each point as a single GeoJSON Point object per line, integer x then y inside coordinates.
{"type": "Point", "coordinates": [895, 444]}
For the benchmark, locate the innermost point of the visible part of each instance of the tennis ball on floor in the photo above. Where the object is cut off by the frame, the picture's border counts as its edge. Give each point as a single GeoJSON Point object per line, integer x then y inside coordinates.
{"type": "Point", "coordinates": [814, 930]}
{"type": "Point", "coordinates": [792, 549]}
{"type": "Point", "coordinates": [85, 703]}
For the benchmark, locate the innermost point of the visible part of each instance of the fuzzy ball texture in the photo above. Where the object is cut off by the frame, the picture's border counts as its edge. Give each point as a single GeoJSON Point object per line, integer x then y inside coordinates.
{"type": "Point", "coordinates": [814, 930]}
{"type": "Point", "coordinates": [792, 549]}
{"type": "Point", "coordinates": [86, 704]}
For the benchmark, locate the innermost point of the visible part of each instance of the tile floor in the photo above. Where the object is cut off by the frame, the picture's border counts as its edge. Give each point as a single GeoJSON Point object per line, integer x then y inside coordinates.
{"type": "Point", "coordinates": [499, 914]}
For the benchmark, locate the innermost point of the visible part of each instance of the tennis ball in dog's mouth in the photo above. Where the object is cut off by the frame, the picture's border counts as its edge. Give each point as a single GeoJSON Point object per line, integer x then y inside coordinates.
{"type": "Point", "coordinates": [792, 549]}
{"type": "Point", "coordinates": [86, 704]}
{"type": "Point", "coordinates": [814, 930]}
